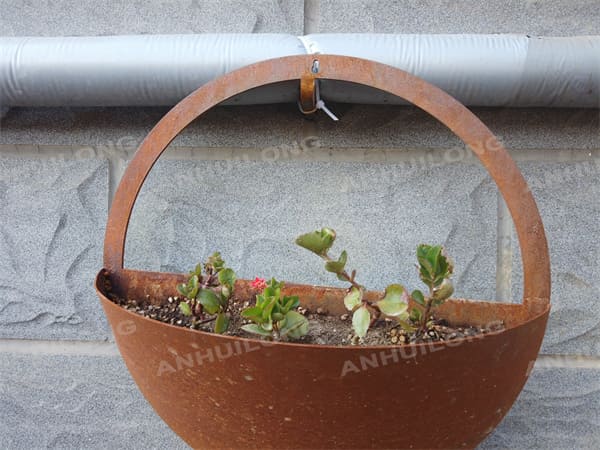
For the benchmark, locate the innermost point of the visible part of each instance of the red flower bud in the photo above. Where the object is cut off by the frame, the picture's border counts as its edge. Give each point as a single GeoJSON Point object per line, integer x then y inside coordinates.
{"type": "Point", "coordinates": [259, 283]}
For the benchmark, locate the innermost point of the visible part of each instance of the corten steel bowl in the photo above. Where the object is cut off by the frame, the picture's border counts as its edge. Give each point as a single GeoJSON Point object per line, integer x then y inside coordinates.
{"type": "Point", "coordinates": [225, 392]}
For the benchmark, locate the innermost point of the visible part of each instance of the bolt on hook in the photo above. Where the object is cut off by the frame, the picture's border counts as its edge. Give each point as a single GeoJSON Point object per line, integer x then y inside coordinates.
{"type": "Point", "coordinates": [315, 66]}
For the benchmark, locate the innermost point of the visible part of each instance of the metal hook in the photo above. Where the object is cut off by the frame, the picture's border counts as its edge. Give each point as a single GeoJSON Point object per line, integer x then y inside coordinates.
{"type": "Point", "coordinates": [310, 95]}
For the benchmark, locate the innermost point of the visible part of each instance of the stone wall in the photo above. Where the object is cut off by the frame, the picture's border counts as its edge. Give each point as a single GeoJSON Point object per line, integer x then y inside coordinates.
{"type": "Point", "coordinates": [62, 382]}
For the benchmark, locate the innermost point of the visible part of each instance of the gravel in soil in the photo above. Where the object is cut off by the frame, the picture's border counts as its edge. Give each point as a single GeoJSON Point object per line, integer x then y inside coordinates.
{"type": "Point", "coordinates": [324, 329]}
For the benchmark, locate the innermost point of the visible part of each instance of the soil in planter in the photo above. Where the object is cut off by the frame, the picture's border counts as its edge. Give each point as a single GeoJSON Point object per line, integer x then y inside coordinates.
{"type": "Point", "coordinates": [323, 328]}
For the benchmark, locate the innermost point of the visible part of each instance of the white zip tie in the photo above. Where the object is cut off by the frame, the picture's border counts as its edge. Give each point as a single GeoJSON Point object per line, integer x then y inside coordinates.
{"type": "Point", "coordinates": [321, 104]}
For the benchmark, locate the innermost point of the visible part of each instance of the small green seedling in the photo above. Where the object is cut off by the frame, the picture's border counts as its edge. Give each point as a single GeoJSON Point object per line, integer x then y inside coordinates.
{"type": "Point", "coordinates": [434, 269]}
{"type": "Point", "coordinates": [274, 315]}
{"type": "Point", "coordinates": [208, 292]}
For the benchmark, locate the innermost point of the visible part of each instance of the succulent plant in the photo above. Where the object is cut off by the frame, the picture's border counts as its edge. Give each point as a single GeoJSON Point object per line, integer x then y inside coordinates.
{"type": "Point", "coordinates": [435, 269]}
{"type": "Point", "coordinates": [274, 315]}
{"type": "Point", "coordinates": [208, 291]}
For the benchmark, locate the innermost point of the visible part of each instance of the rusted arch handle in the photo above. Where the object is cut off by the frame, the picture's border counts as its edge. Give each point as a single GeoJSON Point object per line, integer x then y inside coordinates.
{"type": "Point", "coordinates": [495, 158]}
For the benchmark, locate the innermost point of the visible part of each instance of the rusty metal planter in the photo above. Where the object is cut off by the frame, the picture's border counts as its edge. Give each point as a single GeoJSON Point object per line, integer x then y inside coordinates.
{"type": "Point", "coordinates": [224, 392]}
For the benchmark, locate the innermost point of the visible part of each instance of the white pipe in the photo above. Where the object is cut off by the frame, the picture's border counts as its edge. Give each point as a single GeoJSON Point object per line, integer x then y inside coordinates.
{"type": "Point", "coordinates": [146, 70]}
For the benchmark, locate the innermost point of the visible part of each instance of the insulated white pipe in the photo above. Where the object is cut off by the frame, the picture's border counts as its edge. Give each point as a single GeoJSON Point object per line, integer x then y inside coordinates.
{"type": "Point", "coordinates": [147, 70]}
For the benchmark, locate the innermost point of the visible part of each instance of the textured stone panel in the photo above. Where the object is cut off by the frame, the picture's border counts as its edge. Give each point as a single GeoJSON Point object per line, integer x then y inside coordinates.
{"type": "Point", "coordinates": [559, 409]}
{"type": "Point", "coordinates": [108, 128]}
{"type": "Point", "coordinates": [567, 195]}
{"type": "Point", "coordinates": [368, 126]}
{"type": "Point", "coordinates": [252, 211]}
{"type": "Point", "coordinates": [360, 126]}
{"type": "Point", "coordinates": [85, 402]}
{"type": "Point", "coordinates": [53, 217]}
{"type": "Point", "coordinates": [92, 18]}
{"type": "Point", "coordinates": [545, 18]}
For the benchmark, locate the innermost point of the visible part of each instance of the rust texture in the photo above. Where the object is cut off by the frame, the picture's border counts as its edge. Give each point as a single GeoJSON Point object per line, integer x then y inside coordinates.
{"type": "Point", "coordinates": [225, 392]}
{"type": "Point", "coordinates": [308, 94]}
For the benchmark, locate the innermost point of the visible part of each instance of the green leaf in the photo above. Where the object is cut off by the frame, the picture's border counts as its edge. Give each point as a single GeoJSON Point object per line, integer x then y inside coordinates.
{"type": "Point", "coordinates": [256, 329]}
{"type": "Point", "coordinates": [215, 261]}
{"type": "Point", "coordinates": [273, 290]}
{"type": "Point", "coordinates": [291, 302]}
{"type": "Point", "coordinates": [395, 293]}
{"type": "Point", "coordinates": [222, 323]}
{"type": "Point", "coordinates": [361, 319]}
{"type": "Point", "coordinates": [449, 262]}
{"type": "Point", "coordinates": [337, 266]}
{"type": "Point", "coordinates": [296, 325]}
{"type": "Point", "coordinates": [277, 316]}
{"type": "Point", "coordinates": [254, 313]}
{"type": "Point", "coordinates": [425, 276]}
{"type": "Point", "coordinates": [444, 291]}
{"type": "Point", "coordinates": [433, 255]}
{"type": "Point", "coordinates": [208, 299]}
{"type": "Point", "coordinates": [437, 280]}
{"type": "Point", "coordinates": [353, 298]}
{"type": "Point", "coordinates": [185, 309]}
{"type": "Point", "coordinates": [268, 309]}
{"type": "Point", "coordinates": [395, 300]}
{"type": "Point", "coordinates": [318, 242]}
{"type": "Point", "coordinates": [227, 278]}
{"type": "Point", "coordinates": [391, 309]}
{"type": "Point", "coordinates": [192, 287]}
{"type": "Point", "coordinates": [197, 270]}
{"type": "Point", "coordinates": [182, 289]}
{"type": "Point", "coordinates": [442, 269]}
{"type": "Point", "coordinates": [433, 264]}
{"type": "Point", "coordinates": [260, 300]}
{"type": "Point", "coordinates": [416, 315]}
{"type": "Point", "coordinates": [224, 297]}
{"type": "Point", "coordinates": [426, 268]}
{"type": "Point", "coordinates": [422, 250]}
{"type": "Point", "coordinates": [267, 325]}
{"type": "Point", "coordinates": [273, 283]}
{"type": "Point", "coordinates": [418, 297]}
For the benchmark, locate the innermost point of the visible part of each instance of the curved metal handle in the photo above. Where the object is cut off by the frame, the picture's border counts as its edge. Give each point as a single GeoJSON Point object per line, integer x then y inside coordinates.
{"type": "Point", "coordinates": [461, 121]}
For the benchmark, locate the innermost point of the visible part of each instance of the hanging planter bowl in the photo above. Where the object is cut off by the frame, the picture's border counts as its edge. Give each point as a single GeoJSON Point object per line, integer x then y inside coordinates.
{"type": "Point", "coordinates": [220, 391]}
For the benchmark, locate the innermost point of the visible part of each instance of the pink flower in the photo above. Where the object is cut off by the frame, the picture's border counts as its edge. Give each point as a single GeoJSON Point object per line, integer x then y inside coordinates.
{"type": "Point", "coordinates": [259, 283]}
